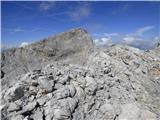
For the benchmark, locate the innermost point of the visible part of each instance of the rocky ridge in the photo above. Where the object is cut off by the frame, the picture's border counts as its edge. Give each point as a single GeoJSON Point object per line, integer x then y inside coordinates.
{"type": "Point", "coordinates": [115, 83]}
{"type": "Point", "coordinates": [70, 47]}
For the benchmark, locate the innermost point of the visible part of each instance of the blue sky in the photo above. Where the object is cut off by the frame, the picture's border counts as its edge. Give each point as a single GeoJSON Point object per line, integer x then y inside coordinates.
{"type": "Point", "coordinates": [132, 23]}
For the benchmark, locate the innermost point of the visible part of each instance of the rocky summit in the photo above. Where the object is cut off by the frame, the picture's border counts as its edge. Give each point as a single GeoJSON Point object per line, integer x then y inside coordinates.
{"type": "Point", "coordinates": [67, 78]}
{"type": "Point", "coordinates": [69, 47]}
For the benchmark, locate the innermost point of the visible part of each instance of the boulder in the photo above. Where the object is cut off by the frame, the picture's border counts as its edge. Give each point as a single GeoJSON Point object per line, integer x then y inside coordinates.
{"type": "Point", "coordinates": [14, 93]}
{"type": "Point", "coordinates": [45, 83]}
{"type": "Point", "coordinates": [132, 111]}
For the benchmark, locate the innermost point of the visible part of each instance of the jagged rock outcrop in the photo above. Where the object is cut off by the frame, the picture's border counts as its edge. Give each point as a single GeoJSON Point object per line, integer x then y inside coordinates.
{"type": "Point", "coordinates": [71, 47]}
{"type": "Point", "coordinates": [116, 83]}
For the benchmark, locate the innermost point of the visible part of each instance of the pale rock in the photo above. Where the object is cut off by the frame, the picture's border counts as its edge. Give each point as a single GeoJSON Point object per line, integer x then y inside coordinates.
{"type": "Point", "coordinates": [131, 111]}
{"type": "Point", "coordinates": [88, 106]}
{"type": "Point", "coordinates": [91, 86]}
{"type": "Point", "coordinates": [42, 100]}
{"type": "Point", "coordinates": [61, 114]}
{"type": "Point", "coordinates": [14, 93]}
{"type": "Point", "coordinates": [72, 90]}
{"type": "Point", "coordinates": [31, 98]}
{"type": "Point", "coordinates": [81, 82]}
{"type": "Point", "coordinates": [29, 107]}
{"type": "Point", "coordinates": [13, 107]}
{"type": "Point", "coordinates": [38, 115]}
{"type": "Point", "coordinates": [67, 108]}
{"type": "Point", "coordinates": [64, 80]}
{"type": "Point", "coordinates": [66, 91]}
{"type": "Point", "coordinates": [146, 114]}
{"type": "Point", "coordinates": [80, 94]}
{"type": "Point", "coordinates": [17, 117]}
{"type": "Point", "coordinates": [89, 81]}
{"type": "Point", "coordinates": [108, 111]}
{"type": "Point", "coordinates": [46, 83]}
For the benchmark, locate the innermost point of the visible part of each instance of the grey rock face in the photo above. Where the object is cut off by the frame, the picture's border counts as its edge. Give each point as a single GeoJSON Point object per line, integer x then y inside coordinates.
{"type": "Point", "coordinates": [14, 93]}
{"type": "Point", "coordinates": [131, 111]}
{"type": "Point", "coordinates": [46, 84]}
{"type": "Point", "coordinates": [74, 44]}
{"type": "Point", "coordinates": [116, 83]}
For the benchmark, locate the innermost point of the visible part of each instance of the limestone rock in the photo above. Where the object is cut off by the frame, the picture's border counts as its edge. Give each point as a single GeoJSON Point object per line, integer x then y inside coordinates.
{"type": "Point", "coordinates": [46, 84]}
{"type": "Point", "coordinates": [66, 91]}
{"type": "Point", "coordinates": [131, 111]}
{"type": "Point", "coordinates": [114, 83]}
{"type": "Point", "coordinates": [13, 107]}
{"type": "Point", "coordinates": [71, 47]}
{"type": "Point", "coordinates": [14, 93]}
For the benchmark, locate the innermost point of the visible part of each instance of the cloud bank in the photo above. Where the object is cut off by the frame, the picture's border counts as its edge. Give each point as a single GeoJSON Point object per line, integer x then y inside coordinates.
{"type": "Point", "coordinates": [103, 42]}
{"type": "Point", "coordinates": [135, 39]}
{"type": "Point", "coordinates": [141, 31]}
{"type": "Point", "coordinates": [23, 44]}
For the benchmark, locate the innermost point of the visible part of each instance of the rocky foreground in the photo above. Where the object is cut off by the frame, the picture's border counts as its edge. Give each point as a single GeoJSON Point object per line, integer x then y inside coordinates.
{"type": "Point", "coordinates": [115, 83]}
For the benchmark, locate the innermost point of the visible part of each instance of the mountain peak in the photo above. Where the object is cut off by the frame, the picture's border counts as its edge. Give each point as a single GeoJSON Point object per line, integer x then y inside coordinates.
{"type": "Point", "coordinates": [70, 46]}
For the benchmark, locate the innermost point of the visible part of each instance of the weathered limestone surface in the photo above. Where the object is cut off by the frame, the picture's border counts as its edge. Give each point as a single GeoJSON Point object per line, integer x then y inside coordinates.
{"type": "Point", "coordinates": [71, 47]}
{"type": "Point", "coordinates": [115, 83]}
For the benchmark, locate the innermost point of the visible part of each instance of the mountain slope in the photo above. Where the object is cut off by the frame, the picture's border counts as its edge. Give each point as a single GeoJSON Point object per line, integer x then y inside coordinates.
{"type": "Point", "coordinates": [115, 83]}
{"type": "Point", "coordinates": [71, 47]}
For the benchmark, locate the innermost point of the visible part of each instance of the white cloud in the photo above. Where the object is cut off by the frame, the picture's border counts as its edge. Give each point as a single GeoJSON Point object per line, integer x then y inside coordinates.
{"type": "Point", "coordinates": [23, 44]}
{"type": "Point", "coordinates": [80, 13]}
{"type": "Point", "coordinates": [103, 42]}
{"type": "Point", "coordinates": [132, 40]}
{"type": "Point", "coordinates": [45, 6]}
{"type": "Point", "coordinates": [105, 39]}
{"type": "Point", "coordinates": [157, 38]}
{"type": "Point", "coordinates": [138, 42]}
{"type": "Point", "coordinates": [141, 31]}
{"type": "Point", "coordinates": [129, 39]}
{"type": "Point", "coordinates": [136, 39]}
{"type": "Point", "coordinates": [18, 29]}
